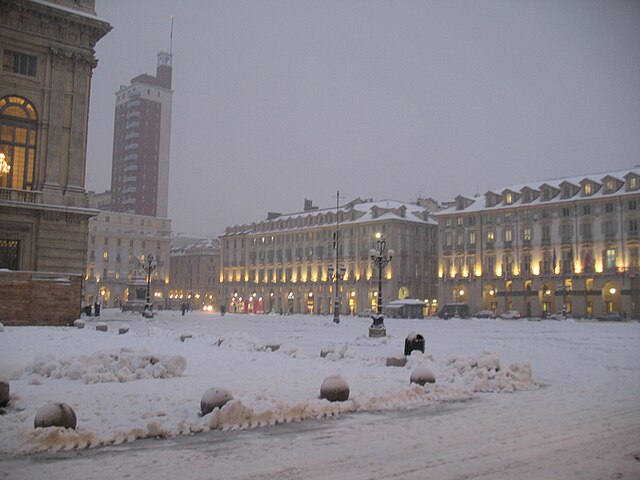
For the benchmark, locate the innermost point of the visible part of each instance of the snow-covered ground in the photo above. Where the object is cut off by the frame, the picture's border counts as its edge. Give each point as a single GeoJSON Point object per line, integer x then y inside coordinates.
{"type": "Point", "coordinates": [509, 383]}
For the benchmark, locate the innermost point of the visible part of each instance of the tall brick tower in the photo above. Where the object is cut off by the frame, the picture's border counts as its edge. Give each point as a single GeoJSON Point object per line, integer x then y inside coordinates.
{"type": "Point", "coordinates": [141, 141]}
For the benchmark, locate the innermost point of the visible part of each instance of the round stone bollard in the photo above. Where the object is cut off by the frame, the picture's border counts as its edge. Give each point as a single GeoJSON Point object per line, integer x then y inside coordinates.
{"type": "Point", "coordinates": [55, 414]}
{"type": "Point", "coordinates": [335, 389]}
{"type": "Point", "coordinates": [214, 398]}
{"type": "Point", "coordinates": [422, 375]}
{"type": "Point", "coordinates": [4, 394]}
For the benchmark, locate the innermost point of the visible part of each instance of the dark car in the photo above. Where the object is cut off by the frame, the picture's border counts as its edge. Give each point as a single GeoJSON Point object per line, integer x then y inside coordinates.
{"type": "Point", "coordinates": [485, 314]}
{"type": "Point", "coordinates": [451, 310]}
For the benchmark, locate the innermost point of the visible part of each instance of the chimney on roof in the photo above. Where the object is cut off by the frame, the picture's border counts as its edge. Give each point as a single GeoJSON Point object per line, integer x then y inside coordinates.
{"type": "Point", "coordinates": [308, 205]}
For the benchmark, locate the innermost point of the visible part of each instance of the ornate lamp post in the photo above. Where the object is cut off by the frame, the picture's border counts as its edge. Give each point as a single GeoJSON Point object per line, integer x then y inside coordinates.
{"type": "Point", "coordinates": [335, 275]}
{"type": "Point", "coordinates": [149, 266]}
{"type": "Point", "coordinates": [338, 272]}
{"type": "Point", "coordinates": [380, 260]}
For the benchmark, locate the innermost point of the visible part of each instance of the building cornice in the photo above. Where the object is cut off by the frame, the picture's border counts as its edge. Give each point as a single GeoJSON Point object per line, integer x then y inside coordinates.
{"type": "Point", "coordinates": [46, 20]}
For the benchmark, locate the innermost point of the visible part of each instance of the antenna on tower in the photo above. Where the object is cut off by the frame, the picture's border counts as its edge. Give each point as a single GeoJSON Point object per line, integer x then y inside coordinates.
{"type": "Point", "coordinates": [171, 37]}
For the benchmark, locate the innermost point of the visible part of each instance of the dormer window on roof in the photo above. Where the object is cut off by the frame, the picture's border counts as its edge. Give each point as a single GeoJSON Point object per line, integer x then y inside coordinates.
{"type": "Point", "coordinates": [568, 190]}
{"type": "Point", "coordinates": [509, 198]}
{"type": "Point", "coordinates": [611, 184]}
{"type": "Point", "coordinates": [528, 195]}
{"type": "Point", "coordinates": [492, 199]}
{"type": "Point", "coordinates": [587, 189]}
{"type": "Point", "coordinates": [633, 182]}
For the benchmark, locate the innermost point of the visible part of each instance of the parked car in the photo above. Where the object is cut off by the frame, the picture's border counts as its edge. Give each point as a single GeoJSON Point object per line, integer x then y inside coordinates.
{"type": "Point", "coordinates": [510, 315]}
{"type": "Point", "coordinates": [452, 310]}
{"type": "Point", "coordinates": [610, 317]}
{"type": "Point", "coordinates": [485, 314]}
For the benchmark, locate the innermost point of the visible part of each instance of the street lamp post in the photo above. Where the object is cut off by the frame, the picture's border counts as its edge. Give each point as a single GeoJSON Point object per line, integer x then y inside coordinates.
{"type": "Point", "coordinates": [380, 259]}
{"type": "Point", "coordinates": [338, 272]}
{"type": "Point", "coordinates": [335, 275]}
{"type": "Point", "coordinates": [149, 266]}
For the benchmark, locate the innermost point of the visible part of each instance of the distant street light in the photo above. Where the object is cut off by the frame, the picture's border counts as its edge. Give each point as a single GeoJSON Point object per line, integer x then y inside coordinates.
{"type": "Point", "coordinates": [380, 260]}
{"type": "Point", "coordinates": [149, 265]}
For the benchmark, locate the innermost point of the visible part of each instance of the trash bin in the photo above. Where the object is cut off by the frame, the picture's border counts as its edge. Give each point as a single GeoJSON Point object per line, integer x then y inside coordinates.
{"type": "Point", "coordinates": [415, 341]}
{"type": "Point", "coordinates": [96, 308]}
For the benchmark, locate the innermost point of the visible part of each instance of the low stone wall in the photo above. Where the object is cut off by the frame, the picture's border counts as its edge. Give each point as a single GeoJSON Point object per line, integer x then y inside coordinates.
{"type": "Point", "coordinates": [38, 298]}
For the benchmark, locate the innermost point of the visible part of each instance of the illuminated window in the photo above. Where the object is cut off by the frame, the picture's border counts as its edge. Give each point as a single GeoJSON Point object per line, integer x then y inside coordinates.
{"type": "Point", "coordinates": [508, 235]}
{"type": "Point", "coordinates": [18, 129]}
{"type": "Point", "coordinates": [610, 258]}
{"type": "Point", "coordinates": [588, 188]}
{"type": "Point", "coordinates": [610, 185]}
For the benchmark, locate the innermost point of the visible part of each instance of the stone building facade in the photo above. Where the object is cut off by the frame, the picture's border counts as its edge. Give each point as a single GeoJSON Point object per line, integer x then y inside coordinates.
{"type": "Point", "coordinates": [282, 264]}
{"type": "Point", "coordinates": [47, 60]}
{"type": "Point", "coordinates": [195, 273]}
{"type": "Point", "coordinates": [118, 244]}
{"type": "Point", "coordinates": [539, 248]}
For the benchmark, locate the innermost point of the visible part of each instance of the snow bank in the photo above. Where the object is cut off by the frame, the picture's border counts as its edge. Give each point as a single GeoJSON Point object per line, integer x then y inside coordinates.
{"type": "Point", "coordinates": [123, 366]}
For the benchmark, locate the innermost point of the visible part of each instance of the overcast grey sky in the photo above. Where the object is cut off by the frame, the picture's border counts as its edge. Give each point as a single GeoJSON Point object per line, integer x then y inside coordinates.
{"type": "Point", "coordinates": [278, 101]}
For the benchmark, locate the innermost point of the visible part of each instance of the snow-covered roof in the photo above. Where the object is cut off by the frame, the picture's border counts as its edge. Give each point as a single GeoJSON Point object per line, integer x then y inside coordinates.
{"type": "Point", "coordinates": [477, 203]}
{"type": "Point", "coordinates": [196, 246]}
{"type": "Point", "coordinates": [354, 212]}
{"type": "Point", "coordinates": [75, 11]}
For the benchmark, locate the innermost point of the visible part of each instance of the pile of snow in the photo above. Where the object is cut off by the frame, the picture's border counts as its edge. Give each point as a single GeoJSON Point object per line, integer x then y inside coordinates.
{"type": "Point", "coordinates": [484, 374]}
{"type": "Point", "coordinates": [123, 366]}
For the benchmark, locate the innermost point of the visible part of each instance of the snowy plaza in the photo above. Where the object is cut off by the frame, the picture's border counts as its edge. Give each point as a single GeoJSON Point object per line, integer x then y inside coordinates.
{"type": "Point", "coordinates": [542, 399]}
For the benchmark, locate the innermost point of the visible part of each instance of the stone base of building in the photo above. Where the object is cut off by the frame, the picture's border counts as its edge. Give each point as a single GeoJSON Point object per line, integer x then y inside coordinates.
{"type": "Point", "coordinates": [37, 298]}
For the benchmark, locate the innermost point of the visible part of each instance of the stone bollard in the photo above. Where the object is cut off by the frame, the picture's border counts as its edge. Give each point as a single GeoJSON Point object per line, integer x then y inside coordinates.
{"type": "Point", "coordinates": [422, 375]}
{"type": "Point", "coordinates": [55, 414]}
{"type": "Point", "coordinates": [396, 361]}
{"type": "Point", "coordinates": [123, 329]}
{"type": "Point", "coordinates": [214, 398]}
{"type": "Point", "coordinates": [335, 389]}
{"type": "Point", "coordinates": [79, 323]}
{"type": "Point", "coordinates": [101, 326]}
